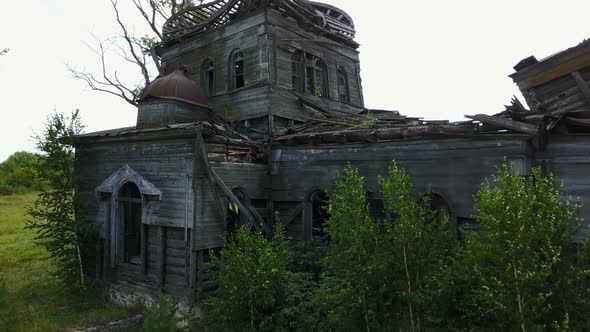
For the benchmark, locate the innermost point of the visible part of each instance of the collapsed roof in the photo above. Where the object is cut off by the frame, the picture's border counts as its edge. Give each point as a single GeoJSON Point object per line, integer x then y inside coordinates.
{"type": "Point", "coordinates": [321, 18]}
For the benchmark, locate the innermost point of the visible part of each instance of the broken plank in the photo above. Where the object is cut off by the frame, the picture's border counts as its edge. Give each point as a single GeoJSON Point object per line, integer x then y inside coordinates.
{"type": "Point", "coordinates": [505, 123]}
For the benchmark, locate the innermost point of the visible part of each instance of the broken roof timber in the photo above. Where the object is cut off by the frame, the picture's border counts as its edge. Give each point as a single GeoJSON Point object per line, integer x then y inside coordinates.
{"type": "Point", "coordinates": [505, 123]}
{"type": "Point", "coordinates": [560, 64]}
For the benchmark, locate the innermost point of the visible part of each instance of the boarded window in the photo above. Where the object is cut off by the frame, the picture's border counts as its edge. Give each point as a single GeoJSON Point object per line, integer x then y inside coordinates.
{"type": "Point", "coordinates": [236, 70]}
{"type": "Point", "coordinates": [208, 77]}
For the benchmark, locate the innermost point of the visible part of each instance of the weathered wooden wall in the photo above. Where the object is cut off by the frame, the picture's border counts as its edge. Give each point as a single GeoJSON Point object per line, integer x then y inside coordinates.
{"type": "Point", "coordinates": [568, 157]}
{"type": "Point", "coordinates": [267, 40]}
{"type": "Point", "coordinates": [287, 36]}
{"type": "Point", "coordinates": [453, 169]}
{"type": "Point", "coordinates": [247, 34]}
{"type": "Point", "coordinates": [168, 165]}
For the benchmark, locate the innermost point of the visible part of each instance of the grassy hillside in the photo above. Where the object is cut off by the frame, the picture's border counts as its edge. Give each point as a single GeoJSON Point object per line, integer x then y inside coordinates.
{"type": "Point", "coordinates": [31, 299]}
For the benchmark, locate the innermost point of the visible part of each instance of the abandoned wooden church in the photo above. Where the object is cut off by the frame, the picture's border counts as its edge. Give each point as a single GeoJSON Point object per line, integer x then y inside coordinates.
{"type": "Point", "coordinates": [260, 107]}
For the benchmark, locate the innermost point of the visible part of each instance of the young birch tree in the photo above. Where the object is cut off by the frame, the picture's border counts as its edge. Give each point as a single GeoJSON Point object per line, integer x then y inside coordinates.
{"type": "Point", "coordinates": [520, 271]}
{"type": "Point", "coordinates": [52, 214]}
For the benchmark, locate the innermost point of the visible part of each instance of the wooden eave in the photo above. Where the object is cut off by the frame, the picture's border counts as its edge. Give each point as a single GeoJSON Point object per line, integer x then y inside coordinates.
{"type": "Point", "coordinates": [558, 65]}
{"type": "Point", "coordinates": [211, 133]}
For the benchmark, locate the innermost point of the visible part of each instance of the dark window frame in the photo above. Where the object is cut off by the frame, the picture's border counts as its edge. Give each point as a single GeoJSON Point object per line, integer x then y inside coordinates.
{"type": "Point", "coordinates": [343, 85]}
{"type": "Point", "coordinates": [309, 74]}
{"type": "Point", "coordinates": [208, 77]}
{"type": "Point", "coordinates": [237, 70]}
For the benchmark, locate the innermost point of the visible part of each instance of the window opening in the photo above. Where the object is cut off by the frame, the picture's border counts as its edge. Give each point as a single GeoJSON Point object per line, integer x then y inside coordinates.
{"type": "Point", "coordinates": [319, 214]}
{"type": "Point", "coordinates": [296, 70]}
{"type": "Point", "coordinates": [130, 206]}
{"type": "Point", "coordinates": [440, 207]}
{"type": "Point", "coordinates": [237, 70]}
{"type": "Point", "coordinates": [208, 77]}
{"type": "Point", "coordinates": [309, 73]}
{"type": "Point", "coordinates": [343, 88]}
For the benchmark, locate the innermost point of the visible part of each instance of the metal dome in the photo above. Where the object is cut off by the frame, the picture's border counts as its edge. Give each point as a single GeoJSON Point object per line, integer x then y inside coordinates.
{"type": "Point", "coordinates": [176, 86]}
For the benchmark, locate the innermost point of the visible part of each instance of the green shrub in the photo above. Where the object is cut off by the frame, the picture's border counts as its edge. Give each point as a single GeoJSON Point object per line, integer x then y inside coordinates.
{"type": "Point", "coordinates": [519, 271]}
{"type": "Point", "coordinates": [6, 306]}
{"type": "Point", "coordinates": [378, 273]}
{"type": "Point", "coordinates": [159, 317]}
{"type": "Point", "coordinates": [251, 278]}
{"type": "Point", "coordinates": [19, 173]}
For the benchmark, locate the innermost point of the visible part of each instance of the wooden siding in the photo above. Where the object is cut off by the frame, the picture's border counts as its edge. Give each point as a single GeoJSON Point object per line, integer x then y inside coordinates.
{"type": "Point", "coordinates": [568, 157]}
{"type": "Point", "coordinates": [287, 37]}
{"type": "Point", "coordinates": [446, 166]}
{"type": "Point", "coordinates": [560, 96]}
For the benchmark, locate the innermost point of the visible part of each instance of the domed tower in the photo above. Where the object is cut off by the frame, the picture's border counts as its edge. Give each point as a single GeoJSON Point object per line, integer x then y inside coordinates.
{"type": "Point", "coordinates": [268, 64]}
{"type": "Point", "coordinates": [170, 99]}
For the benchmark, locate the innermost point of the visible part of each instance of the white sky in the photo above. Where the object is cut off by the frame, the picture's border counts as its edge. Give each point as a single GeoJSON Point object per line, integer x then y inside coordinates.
{"type": "Point", "coordinates": [433, 59]}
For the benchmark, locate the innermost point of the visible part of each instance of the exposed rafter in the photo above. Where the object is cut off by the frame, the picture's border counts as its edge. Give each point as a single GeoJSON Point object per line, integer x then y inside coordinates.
{"type": "Point", "coordinates": [323, 19]}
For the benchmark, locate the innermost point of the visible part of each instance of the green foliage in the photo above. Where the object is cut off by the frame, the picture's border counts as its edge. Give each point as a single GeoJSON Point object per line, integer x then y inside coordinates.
{"type": "Point", "coordinates": [251, 275]}
{"type": "Point", "coordinates": [52, 214]}
{"type": "Point", "coordinates": [378, 272]}
{"type": "Point", "coordinates": [519, 271]}
{"type": "Point", "coordinates": [6, 309]}
{"type": "Point", "coordinates": [18, 173]}
{"type": "Point", "coordinates": [159, 317]}
{"type": "Point", "coordinates": [36, 299]}
{"type": "Point", "coordinates": [369, 121]}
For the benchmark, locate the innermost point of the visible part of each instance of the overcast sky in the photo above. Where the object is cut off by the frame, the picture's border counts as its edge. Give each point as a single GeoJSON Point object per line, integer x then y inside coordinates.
{"type": "Point", "coordinates": [433, 59]}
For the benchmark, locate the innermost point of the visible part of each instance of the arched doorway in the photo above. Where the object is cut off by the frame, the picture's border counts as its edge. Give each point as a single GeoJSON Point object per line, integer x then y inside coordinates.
{"type": "Point", "coordinates": [130, 205]}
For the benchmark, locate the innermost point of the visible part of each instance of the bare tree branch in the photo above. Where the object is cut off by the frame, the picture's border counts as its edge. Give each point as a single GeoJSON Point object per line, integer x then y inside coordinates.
{"type": "Point", "coordinates": [151, 21]}
{"type": "Point", "coordinates": [4, 51]}
{"type": "Point", "coordinates": [136, 51]}
{"type": "Point", "coordinates": [140, 63]}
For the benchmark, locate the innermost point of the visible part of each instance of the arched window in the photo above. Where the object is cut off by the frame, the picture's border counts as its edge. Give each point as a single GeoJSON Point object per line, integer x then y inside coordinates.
{"type": "Point", "coordinates": [316, 76]}
{"type": "Point", "coordinates": [236, 70]}
{"type": "Point", "coordinates": [130, 205]}
{"type": "Point", "coordinates": [297, 64]}
{"type": "Point", "coordinates": [309, 73]}
{"type": "Point", "coordinates": [236, 218]}
{"type": "Point", "coordinates": [376, 206]}
{"type": "Point", "coordinates": [343, 89]}
{"type": "Point", "coordinates": [315, 214]}
{"type": "Point", "coordinates": [208, 77]}
{"type": "Point", "coordinates": [440, 207]}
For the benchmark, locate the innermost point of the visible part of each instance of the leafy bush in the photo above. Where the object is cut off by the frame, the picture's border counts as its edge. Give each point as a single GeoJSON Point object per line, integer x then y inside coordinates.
{"type": "Point", "coordinates": [378, 272]}
{"type": "Point", "coordinates": [519, 271]}
{"type": "Point", "coordinates": [159, 317]}
{"type": "Point", "coordinates": [251, 276]}
{"type": "Point", "coordinates": [19, 173]}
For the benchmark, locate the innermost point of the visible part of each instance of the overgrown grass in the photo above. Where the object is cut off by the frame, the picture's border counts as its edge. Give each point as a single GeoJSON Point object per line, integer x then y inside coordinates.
{"type": "Point", "coordinates": [32, 299]}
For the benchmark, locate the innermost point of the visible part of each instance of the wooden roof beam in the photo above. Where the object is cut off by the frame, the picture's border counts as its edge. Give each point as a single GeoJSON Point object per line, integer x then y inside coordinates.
{"type": "Point", "coordinates": [505, 123]}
